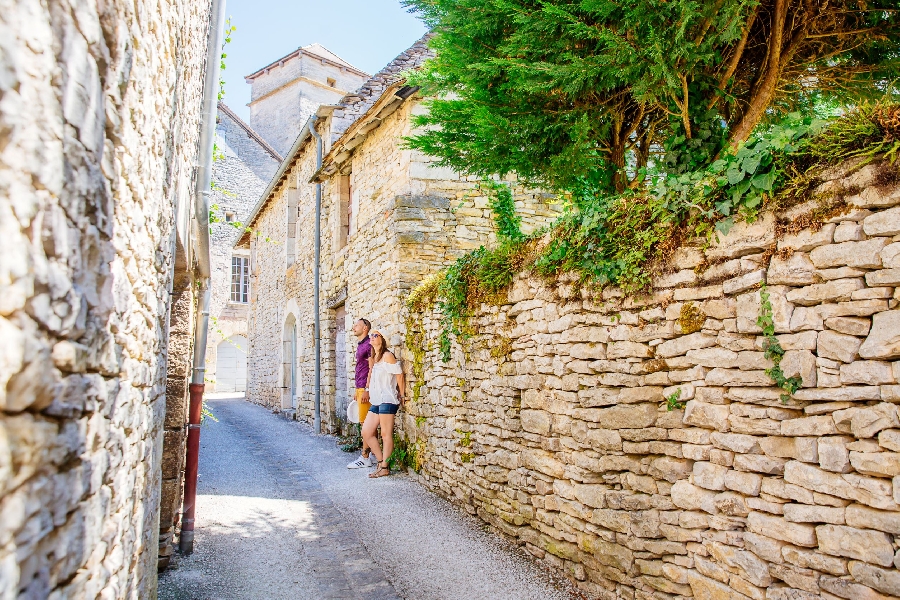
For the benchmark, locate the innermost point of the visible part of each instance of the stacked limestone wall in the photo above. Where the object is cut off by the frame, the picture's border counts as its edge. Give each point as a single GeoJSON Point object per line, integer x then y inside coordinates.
{"type": "Point", "coordinates": [99, 113]}
{"type": "Point", "coordinates": [551, 423]}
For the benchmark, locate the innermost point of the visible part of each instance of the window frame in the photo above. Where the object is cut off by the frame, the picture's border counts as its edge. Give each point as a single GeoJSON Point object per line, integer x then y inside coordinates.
{"type": "Point", "coordinates": [240, 279]}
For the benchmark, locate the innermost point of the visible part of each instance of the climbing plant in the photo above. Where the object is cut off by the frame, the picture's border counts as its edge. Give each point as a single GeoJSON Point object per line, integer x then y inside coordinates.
{"type": "Point", "coordinates": [772, 348]}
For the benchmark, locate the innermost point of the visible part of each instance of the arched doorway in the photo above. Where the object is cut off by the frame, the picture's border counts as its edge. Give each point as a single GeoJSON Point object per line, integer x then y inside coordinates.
{"type": "Point", "coordinates": [231, 364]}
{"type": "Point", "coordinates": [289, 363]}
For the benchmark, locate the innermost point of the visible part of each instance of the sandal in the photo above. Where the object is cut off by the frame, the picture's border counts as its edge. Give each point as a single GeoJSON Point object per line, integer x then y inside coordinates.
{"type": "Point", "coordinates": [381, 472]}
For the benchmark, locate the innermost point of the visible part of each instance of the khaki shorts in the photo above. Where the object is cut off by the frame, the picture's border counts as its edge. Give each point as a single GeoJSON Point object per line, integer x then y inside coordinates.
{"type": "Point", "coordinates": [362, 404]}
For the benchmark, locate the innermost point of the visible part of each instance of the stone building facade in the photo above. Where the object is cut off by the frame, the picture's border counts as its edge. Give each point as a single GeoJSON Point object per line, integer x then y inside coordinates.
{"type": "Point", "coordinates": [99, 134]}
{"type": "Point", "coordinates": [552, 423]}
{"type": "Point", "coordinates": [389, 218]}
{"type": "Point", "coordinates": [284, 93]}
{"type": "Point", "coordinates": [244, 164]}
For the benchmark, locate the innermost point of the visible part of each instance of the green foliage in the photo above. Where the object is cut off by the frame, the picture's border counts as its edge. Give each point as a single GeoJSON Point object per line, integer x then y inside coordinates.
{"type": "Point", "coordinates": [229, 29]}
{"type": "Point", "coordinates": [672, 402]}
{"type": "Point", "coordinates": [501, 202]}
{"type": "Point", "coordinates": [207, 413]}
{"type": "Point", "coordinates": [465, 439]}
{"type": "Point", "coordinates": [626, 239]}
{"type": "Point", "coordinates": [773, 350]}
{"type": "Point", "coordinates": [353, 440]}
{"type": "Point", "coordinates": [577, 94]}
{"type": "Point", "coordinates": [420, 420]}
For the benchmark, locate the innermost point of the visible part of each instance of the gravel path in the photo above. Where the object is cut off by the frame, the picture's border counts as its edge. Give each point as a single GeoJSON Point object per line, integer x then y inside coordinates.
{"type": "Point", "coordinates": [280, 516]}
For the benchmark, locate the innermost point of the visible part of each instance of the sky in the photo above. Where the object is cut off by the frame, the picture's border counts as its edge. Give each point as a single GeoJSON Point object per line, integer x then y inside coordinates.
{"type": "Point", "coordinates": [366, 33]}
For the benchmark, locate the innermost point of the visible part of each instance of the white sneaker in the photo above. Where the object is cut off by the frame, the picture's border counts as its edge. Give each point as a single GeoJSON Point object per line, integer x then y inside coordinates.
{"type": "Point", "coordinates": [361, 463]}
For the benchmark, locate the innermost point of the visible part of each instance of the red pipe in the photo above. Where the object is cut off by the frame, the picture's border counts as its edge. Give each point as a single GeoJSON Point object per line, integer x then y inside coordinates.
{"type": "Point", "coordinates": [192, 464]}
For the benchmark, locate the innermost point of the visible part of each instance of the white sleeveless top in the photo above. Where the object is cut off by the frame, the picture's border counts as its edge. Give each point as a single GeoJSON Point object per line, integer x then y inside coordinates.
{"type": "Point", "coordinates": [383, 384]}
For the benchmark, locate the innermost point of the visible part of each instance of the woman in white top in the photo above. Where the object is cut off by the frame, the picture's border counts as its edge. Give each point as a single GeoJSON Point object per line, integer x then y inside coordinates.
{"type": "Point", "coordinates": [386, 400]}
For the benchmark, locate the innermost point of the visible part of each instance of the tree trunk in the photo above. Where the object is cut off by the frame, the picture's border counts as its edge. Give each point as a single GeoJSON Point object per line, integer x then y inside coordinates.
{"type": "Point", "coordinates": [764, 91]}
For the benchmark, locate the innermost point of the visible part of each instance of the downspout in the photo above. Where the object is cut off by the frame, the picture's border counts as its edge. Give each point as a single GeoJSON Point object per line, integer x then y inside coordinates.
{"type": "Point", "coordinates": [317, 421]}
{"type": "Point", "coordinates": [201, 222]}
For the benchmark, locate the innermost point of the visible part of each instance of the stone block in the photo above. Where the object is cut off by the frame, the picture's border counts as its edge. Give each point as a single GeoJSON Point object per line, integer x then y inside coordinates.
{"type": "Point", "coordinates": [808, 426]}
{"type": "Point", "coordinates": [709, 476]}
{"type": "Point", "coordinates": [838, 290]}
{"type": "Point", "coordinates": [890, 256]}
{"type": "Point", "coordinates": [705, 588]}
{"type": "Point", "coordinates": [864, 254]}
{"type": "Point", "coordinates": [796, 270]}
{"type": "Point", "coordinates": [748, 310]}
{"type": "Point", "coordinates": [799, 341]}
{"type": "Point", "coordinates": [883, 342]}
{"type": "Point", "coordinates": [800, 448]}
{"type": "Point", "coordinates": [810, 559]}
{"type": "Point", "coordinates": [745, 282]}
{"type": "Point", "coordinates": [838, 346]}
{"type": "Point", "coordinates": [879, 464]}
{"type": "Point", "coordinates": [864, 517]}
{"type": "Point", "coordinates": [867, 422]}
{"type": "Point", "coordinates": [779, 529]}
{"type": "Point", "coordinates": [850, 393]}
{"type": "Point", "coordinates": [870, 492]}
{"type": "Point", "coordinates": [681, 345]}
{"type": "Point", "coordinates": [632, 416]}
{"type": "Point", "coordinates": [883, 277]}
{"type": "Point", "coordinates": [543, 462]}
{"type": "Point", "coordinates": [857, 326]}
{"type": "Point", "coordinates": [745, 483]}
{"type": "Point", "coordinates": [884, 223]}
{"type": "Point", "coordinates": [626, 349]}
{"type": "Point", "coordinates": [884, 580]}
{"type": "Point", "coordinates": [805, 513]}
{"type": "Point", "coordinates": [536, 421]}
{"type": "Point", "coordinates": [849, 231]}
{"type": "Point", "coordinates": [708, 416]}
{"type": "Point", "coordinates": [800, 363]}
{"type": "Point", "coordinates": [759, 464]}
{"type": "Point", "coordinates": [868, 372]}
{"type": "Point", "coordinates": [736, 442]}
{"type": "Point", "coordinates": [691, 497]}
{"type": "Point", "coordinates": [803, 318]}
{"type": "Point", "coordinates": [890, 439]}
{"type": "Point", "coordinates": [861, 544]}
{"type": "Point", "coordinates": [744, 239]}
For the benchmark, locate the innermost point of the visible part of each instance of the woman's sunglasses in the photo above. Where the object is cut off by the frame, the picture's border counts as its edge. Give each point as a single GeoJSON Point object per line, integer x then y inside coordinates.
{"type": "Point", "coordinates": [375, 335]}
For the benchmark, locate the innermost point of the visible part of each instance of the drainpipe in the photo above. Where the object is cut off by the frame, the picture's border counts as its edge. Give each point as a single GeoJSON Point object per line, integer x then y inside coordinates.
{"type": "Point", "coordinates": [201, 222]}
{"type": "Point", "coordinates": [317, 421]}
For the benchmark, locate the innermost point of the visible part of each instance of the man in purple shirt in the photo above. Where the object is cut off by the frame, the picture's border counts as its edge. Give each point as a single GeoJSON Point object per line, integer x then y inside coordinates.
{"type": "Point", "coordinates": [363, 366]}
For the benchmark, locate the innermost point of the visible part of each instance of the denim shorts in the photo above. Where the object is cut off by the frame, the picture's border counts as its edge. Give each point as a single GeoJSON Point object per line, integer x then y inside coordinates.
{"type": "Point", "coordinates": [385, 409]}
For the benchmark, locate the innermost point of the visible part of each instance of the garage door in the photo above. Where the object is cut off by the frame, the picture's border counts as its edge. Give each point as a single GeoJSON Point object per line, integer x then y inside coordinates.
{"type": "Point", "coordinates": [231, 365]}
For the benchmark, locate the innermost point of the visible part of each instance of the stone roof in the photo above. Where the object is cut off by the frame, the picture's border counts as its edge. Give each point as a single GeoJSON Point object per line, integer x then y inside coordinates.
{"type": "Point", "coordinates": [255, 136]}
{"type": "Point", "coordinates": [316, 50]}
{"type": "Point", "coordinates": [351, 108]}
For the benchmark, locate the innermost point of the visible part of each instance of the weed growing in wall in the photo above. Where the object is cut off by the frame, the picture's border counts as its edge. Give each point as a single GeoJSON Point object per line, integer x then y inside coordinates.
{"type": "Point", "coordinates": [773, 350]}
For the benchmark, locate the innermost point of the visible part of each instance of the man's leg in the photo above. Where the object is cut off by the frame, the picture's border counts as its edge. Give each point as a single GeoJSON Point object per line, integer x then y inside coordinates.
{"type": "Point", "coordinates": [365, 460]}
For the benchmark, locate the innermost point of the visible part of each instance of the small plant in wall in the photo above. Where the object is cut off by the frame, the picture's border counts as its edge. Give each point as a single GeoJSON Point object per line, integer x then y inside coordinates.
{"type": "Point", "coordinates": [672, 402]}
{"type": "Point", "coordinates": [772, 348]}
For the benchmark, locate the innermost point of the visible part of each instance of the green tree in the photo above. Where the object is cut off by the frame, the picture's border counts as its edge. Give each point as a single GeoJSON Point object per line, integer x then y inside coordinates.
{"type": "Point", "coordinates": [574, 93]}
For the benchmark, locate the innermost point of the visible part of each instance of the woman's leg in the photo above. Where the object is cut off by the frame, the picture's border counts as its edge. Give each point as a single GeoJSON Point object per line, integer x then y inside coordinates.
{"type": "Point", "coordinates": [369, 428]}
{"type": "Point", "coordinates": [387, 434]}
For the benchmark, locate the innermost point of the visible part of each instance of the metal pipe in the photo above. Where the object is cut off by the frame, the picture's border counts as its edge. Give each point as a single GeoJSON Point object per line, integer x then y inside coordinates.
{"type": "Point", "coordinates": [201, 222]}
{"type": "Point", "coordinates": [317, 421]}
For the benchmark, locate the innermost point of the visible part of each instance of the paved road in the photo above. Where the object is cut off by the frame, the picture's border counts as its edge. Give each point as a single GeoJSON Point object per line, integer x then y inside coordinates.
{"type": "Point", "coordinates": [280, 516]}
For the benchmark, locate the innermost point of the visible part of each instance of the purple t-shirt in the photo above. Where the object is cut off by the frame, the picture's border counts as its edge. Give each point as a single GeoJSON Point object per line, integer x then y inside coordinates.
{"type": "Point", "coordinates": [363, 352]}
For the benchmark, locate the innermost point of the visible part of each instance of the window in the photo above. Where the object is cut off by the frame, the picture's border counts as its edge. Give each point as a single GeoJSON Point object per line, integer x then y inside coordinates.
{"type": "Point", "coordinates": [331, 82]}
{"type": "Point", "coordinates": [229, 217]}
{"type": "Point", "coordinates": [342, 204]}
{"type": "Point", "coordinates": [240, 279]}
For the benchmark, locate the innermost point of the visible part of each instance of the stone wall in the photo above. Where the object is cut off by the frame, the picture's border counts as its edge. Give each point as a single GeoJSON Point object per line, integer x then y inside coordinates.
{"type": "Point", "coordinates": [99, 131]}
{"type": "Point", "coordinates": [552, 424]}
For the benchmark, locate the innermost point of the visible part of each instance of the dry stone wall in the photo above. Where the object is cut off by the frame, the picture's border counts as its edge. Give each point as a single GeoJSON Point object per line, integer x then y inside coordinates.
{"type": "Point", "coordinates": [99, 118]}
{"type": "Point", "coordinates": [552, 424]}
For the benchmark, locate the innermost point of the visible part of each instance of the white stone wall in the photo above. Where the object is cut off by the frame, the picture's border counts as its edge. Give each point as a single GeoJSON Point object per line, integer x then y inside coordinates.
{"type": "Point", "coordinates": [551, 422]}
{"type": "Point", "coordinates": [99, 114]}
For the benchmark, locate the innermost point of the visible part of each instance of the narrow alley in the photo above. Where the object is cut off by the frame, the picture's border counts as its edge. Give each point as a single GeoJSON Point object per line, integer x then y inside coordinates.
{"type": "Point", "coordinates": [280, 516]}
